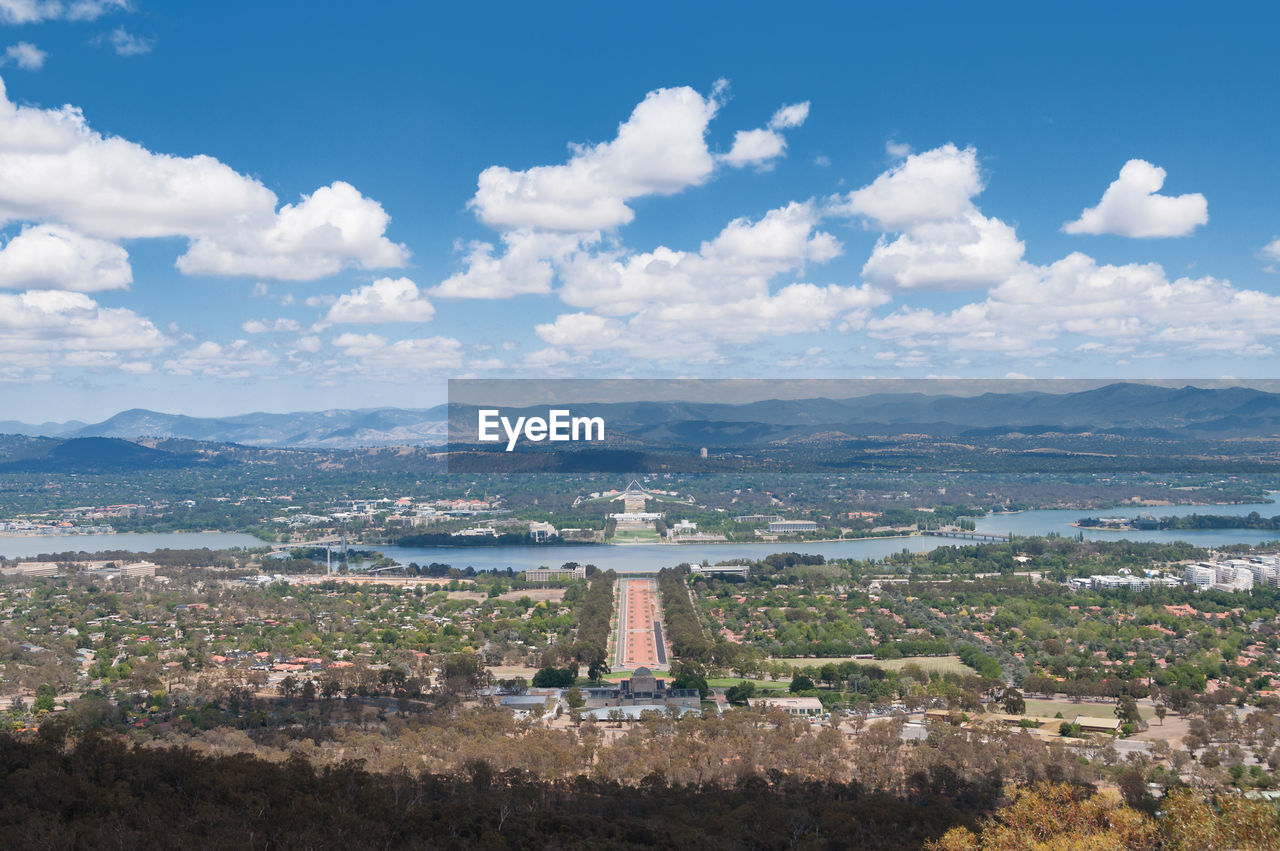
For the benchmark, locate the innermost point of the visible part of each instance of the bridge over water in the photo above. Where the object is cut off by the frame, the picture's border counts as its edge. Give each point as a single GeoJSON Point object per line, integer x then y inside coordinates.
{"type": "Point", "coordinates": [302, 545]}
{"type": "Point", "coordinates": [968, 536]}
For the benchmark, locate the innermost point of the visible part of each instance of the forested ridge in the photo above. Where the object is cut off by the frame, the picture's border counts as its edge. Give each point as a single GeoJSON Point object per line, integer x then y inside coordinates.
{"type": "Point", "coordinates": [101, 793]}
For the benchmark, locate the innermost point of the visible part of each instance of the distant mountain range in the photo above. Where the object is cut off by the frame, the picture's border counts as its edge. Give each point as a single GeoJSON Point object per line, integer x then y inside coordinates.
{"type": "Point", "coordinates": [333, 429]}
{"type": "Point", "coordinates": [94, 455]}
{"type": "Point", "coordinates": [1137, 410]}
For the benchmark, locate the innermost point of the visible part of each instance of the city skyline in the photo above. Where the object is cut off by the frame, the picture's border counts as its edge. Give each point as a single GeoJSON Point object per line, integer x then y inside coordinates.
{"type": "Point", "coordinates": [299, 207]}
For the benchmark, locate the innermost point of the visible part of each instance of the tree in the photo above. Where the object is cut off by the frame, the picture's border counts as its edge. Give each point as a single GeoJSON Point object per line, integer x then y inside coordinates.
{"type": "Point", "coordinates": [738, 695]}
{"type": "Point", "coordinates": [574, 698]}
{"type": "Point", "coordinates": [44, 698]}
{"type": "Point", "coordinates": [1127, 711]}
{"type": "Point", "coordinates": [462, 673]}
{"type": "Point", "coordinates": [393, 678]}
{"type": "Point", "coordinates": [551, 677]}
{"type": "Point", "coordinates": [1227, 822]}
{"type": "Point", "coordinates": [1059, 816]}
{"type": "Point", "coordinates": [800, 682]}
{"type": "Point", "coordinates": [1161, 711]}
{"type": "Point", "coordinates": [598, 668]}
{"type": "Point", "coordinates": [686, 675]}
{"type": "Point", "coordinates": [1013, 702]}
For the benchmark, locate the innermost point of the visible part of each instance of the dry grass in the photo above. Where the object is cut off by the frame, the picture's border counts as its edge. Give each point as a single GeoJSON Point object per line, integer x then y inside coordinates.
{"type": "Point", "coordinates": [932, 664]}
{"type": "Point", "coordinates": [551, 595]}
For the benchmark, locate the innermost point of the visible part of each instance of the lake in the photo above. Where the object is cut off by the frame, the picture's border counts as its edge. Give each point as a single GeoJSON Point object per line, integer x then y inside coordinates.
{"type": "Point", "coordinates": [650, 558]}
{"type": "Point", "coordinates": [1059, 521]}
{"type": "Point", "coordinates": [138, 542]}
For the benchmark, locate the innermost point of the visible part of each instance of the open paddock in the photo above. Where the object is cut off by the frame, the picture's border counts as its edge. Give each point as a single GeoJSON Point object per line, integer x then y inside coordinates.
{"type": "Point", "coordinates": [932, 664]}
{"type": "Point", "coordinates": [1096, 709]}
{"type": "Point", "coordinates": [509, 672]}
{"type": "Point", "coordinates": [537, 595]}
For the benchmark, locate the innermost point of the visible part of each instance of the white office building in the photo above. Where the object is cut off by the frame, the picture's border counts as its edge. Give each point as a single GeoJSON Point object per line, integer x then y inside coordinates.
{"type": "Point", "coordinates": [1263, 573]}
{"type": "Point", "coordinates": [1201, 575]}
{"type": "Point", "coordinates": [1133, 583]}
{"type": "Point", "coordinates": [784, 526]}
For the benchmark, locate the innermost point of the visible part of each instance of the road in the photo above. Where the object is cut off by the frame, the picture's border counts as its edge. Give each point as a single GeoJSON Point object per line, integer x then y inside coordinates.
{"type": "Point", "coordinates": [639, 625]}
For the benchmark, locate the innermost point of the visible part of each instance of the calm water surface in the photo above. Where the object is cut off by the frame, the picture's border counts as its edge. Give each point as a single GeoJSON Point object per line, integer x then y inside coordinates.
{"type": "Point", "coordinates": [138, 542]}
{"type": "Point", "coordinates": [650, 558]}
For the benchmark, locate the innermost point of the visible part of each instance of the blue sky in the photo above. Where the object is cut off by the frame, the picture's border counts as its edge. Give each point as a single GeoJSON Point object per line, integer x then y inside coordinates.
{"type": "Point", "coordinates": [301, 205]}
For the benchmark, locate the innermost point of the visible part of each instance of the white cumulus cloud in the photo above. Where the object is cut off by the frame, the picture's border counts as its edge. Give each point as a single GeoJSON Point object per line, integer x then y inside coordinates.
{"type": "Point", "coordinates": [761, 147]}
{"type": "Point", "coordinates": [125, 43]}
{"type": "Point", "coordinates": [944, 242]}
{"type": "Point", "coordinates": [1133, 207]}
{"type": "Point", "coordinates": [791, 115]}
{"type": "Point", "coordinates": [931, 186]}
{"type": "Point", "coordinates": [54, 168]}
{"type": "Point", "coordinates": [738, 263]}
{"type": "Point", "coordinates": [659, 150]}
{"type": "Point", "coordinates": [384, 300]}
{"type": "Point", "coordinates": [333, 228]}
{"type": "Point", "coordinates": [34, 11]}
{"type": "Point", "coordinates": [969, 252]}
{"type": "Point", "coordinates": [374, 356]}
{"type": "Point", "coordinates": [526, 265]}
{"type": "Point", "coordinates": [235, 360]}
{"type": "Point", "coordinates": [1271, 251]}
{"type": "Point", "coordinates": [25, 55]}
{"type": "Point", "coordinates": [275, 326]}
{"type": "Point", "coordinates": [1075, 298]}
{"type": "Point", "coordinates": [755, 147]}
{"type": "Point", "coordinates": [694, 332]}
{"type": "Point", "coordinates": [45, 321]}
{"type": "Point", "coordinates": [550, 215]}
{"type": "Point", "coordinates": [51, 257]}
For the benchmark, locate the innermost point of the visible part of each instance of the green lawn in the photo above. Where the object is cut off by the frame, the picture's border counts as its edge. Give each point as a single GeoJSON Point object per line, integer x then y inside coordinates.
{"type": "Point", "coordinates": [726, 682]}
{"type": "Point", "coordinates": [646, 536]}
{"type": "Point", "coordinates": [714, 682]}
{"type": "Point", "coordinates": [625, 674]}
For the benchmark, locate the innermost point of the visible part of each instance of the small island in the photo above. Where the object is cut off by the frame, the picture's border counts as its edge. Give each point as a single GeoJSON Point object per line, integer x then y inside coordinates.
{"type": "Point", "coordinates": [1146, 523]}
